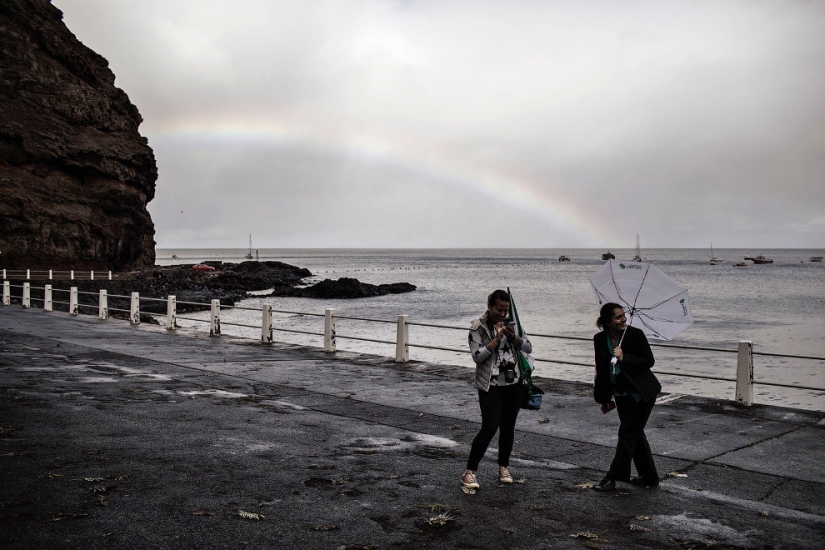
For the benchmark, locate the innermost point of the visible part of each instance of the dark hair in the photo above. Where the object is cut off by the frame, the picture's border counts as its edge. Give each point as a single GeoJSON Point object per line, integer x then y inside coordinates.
{"type": "Point", "coordinates": [606, 314]}
{"type": "Point", "coordinates": [497, 295]}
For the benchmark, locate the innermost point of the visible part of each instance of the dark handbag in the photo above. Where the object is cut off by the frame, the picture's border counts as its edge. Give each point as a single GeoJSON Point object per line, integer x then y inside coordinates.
{"type": "Point", "coordinates": [602, 390]}
{"type": "Point", "coordinates": [531, 403]}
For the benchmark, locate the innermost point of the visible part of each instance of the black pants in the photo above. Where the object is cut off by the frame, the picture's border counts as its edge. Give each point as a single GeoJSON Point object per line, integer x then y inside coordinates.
{"type": "Point", "coordinates": [633, 445]}
{"type": "Point", "coordinates": [499, 410]}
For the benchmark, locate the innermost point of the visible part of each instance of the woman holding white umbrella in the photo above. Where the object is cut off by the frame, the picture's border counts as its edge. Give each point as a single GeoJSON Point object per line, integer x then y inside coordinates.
{"type": "Point", "coordinates": [623, 376]}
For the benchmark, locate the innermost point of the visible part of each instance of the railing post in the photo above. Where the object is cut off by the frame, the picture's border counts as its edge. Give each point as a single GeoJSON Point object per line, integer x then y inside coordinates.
{"type": "Point", "coordinates": [91, 275]}
{"type": "Point", "coordinates": [329, 330]}
{"type": "Point", "coordinates": [4, 274]}
{"type": "Point", "coordinates": [27, 295]}
{"type": "Point", "coordinates": [744, 374]}
{"type": "Point", "coordinates": [171, 313]}
{"type": "Point", "coordinates": [47, 298]}
{"type": "Point", "coordinates": [110, 275]}
{"type": "Point", "coordinates": [28, 274]}
{"type": "Point", "coordinates": [266, 324]}
{"type": "Point", "coordinates": [134, 309]}
{"type": "Point", "coordinates": [50, 275]}
{"type": "Point", "coordinates": [71, 275]}
{"type": "Point", "coordinates": [103, 305]}
{"type": "Point", "coordinates": [6, 292]}
{"type": "Point", "coordinates": [73, 308]}
{"type": "Point", "coordinates": [215, 319]}
{"type": "Point", "coordinates": [402, 340]}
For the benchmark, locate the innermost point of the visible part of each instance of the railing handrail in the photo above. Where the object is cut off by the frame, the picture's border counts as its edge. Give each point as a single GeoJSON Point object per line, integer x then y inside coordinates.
{"type": "Point", "coordinates": [171, 316]}
{"type": "Point", "coordinates": [451, 327]}
{"type": "Point", "coordinates": [53, 274]}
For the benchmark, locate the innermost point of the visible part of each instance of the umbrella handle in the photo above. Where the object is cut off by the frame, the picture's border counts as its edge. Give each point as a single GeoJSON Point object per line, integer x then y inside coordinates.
{"type": "Point", "coordinates": [625, 330]}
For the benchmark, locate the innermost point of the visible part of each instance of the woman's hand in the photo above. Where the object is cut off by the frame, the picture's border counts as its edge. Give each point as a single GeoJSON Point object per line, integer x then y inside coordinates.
{"type": "Point", "coordinates": [618, 354]}
{"type": "Point", "coordinates": [499, 329]}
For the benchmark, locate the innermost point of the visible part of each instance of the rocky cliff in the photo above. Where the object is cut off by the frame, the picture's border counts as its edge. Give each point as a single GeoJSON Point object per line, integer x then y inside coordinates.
{"type": "Point", "coordinates": [75, 173]}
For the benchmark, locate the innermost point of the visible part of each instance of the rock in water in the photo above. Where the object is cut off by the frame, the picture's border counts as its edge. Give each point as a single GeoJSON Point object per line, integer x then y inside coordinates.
{"type": "Point", "coordinates": [75, 173]}
{"type": "Point", "coordinates": [347, 287]}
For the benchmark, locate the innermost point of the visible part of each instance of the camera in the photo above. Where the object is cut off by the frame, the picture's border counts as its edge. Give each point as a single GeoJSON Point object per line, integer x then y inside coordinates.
{"type": "Point", "coordinates": [509, 370]}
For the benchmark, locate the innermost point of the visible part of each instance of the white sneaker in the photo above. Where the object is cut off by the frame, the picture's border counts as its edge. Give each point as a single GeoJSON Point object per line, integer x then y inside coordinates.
{"type": "Point", "coordinates": [468, 479]}
{"type": "Point", "coordinates": [504, 475]}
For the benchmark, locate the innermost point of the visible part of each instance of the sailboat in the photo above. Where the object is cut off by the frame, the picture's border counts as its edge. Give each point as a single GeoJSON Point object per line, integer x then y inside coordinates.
{"type": "Point", "coordinates": [638, 256]}
{"type": "Point", "coordinates": [249, 254]}
{"type": "Point", "coordinates": [713, 258]}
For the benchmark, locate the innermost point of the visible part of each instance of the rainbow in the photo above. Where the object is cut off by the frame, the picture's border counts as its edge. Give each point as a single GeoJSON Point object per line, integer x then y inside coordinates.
{"type": "Point", "coordinates": [528, 196]}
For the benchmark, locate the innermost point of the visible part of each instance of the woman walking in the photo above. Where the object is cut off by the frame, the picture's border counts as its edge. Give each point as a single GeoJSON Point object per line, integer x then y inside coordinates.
{"type": "Point", "coordinates": [493, 345]}
{"type": "Point", "coordinates": [623, 362]}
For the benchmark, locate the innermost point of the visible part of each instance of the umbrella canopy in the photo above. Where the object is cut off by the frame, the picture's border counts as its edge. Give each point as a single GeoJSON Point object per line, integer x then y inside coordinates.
{"type": "Point", "coordinates": [654, 302]}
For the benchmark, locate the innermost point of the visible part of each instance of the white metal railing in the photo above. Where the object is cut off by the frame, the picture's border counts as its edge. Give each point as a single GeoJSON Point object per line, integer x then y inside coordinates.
{"type": "Point", "coordinates": [744, 378]}
{"type": "Point", "coordinates": [55, 275]}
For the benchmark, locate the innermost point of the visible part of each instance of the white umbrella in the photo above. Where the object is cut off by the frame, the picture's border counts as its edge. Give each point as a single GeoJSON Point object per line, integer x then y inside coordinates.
{"type": "Point", "coordinates": [654, 302]}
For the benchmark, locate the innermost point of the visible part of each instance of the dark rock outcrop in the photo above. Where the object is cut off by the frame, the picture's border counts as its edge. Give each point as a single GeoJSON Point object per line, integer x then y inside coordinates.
{"type": "Point", "coordinates": [229, 284]}
{"type": "Point", "coordinates": [75, 173]}
{"type": "Point", "coordinates": [251, 276]}
{"type": "Point", "coordinates": [345, 287]}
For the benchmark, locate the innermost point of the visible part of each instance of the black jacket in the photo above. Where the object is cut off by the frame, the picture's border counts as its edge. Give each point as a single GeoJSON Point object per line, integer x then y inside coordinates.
{"type": "Point", "coordinates": [638, 359]}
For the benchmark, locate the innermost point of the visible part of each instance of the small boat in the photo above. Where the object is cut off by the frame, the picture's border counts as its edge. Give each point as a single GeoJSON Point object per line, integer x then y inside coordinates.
{"type": "Point", "coordinates": [713, 258]}
{"type": "Point", "coordinates": [760, 259]}
{"type": "Point", "coordinates": [564, 258]}
{"type": "Point", "coordinates": [249, 254]}
{"type": "Point", "coordinates": [741, 264]}
{"type": "Point", "coordinates": [817, 259]}
{"type": "Point", "coordinates": [608, 256]}
{"type": "Point", "coordinates": [638, 256]}
{"type": "Point", "coordinates": [175, 256]}
{"type": "Point", "coordinates": [748, 257]}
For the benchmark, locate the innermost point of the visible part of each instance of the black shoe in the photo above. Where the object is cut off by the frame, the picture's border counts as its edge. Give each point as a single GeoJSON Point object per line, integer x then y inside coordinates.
{"type": "Point", "coordinates": [644, 482]}
{"type": "Point", "coordinates": [605, 485]}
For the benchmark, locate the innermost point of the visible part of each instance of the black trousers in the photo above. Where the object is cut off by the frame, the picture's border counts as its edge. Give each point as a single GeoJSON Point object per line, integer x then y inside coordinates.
{"type": "Point", "coordinates": [633, 445]}
{"type": "Point", "coordinates": [499, 411]}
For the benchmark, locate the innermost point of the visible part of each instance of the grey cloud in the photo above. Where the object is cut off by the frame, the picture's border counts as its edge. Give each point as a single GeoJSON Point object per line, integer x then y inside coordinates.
{"type": "Point", "coordinates": [622, 107]}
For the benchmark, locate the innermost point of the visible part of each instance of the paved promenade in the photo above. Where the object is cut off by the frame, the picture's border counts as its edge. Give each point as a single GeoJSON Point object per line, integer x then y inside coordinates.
{"type": "Point", "coordinates": [114, 436]}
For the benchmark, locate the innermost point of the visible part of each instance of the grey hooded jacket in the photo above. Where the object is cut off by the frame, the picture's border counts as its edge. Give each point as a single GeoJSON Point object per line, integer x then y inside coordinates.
{"type": "Point", "coordinates": [485, 359]}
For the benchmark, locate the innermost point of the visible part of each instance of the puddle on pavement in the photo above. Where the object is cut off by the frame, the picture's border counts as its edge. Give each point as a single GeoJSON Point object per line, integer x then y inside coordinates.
{"type": "Point", "coordinates": [423, 445]}
{"type": "Point", "coordinates": [698, 528]}
{"type": "Point", "coordinates": [214, 393]}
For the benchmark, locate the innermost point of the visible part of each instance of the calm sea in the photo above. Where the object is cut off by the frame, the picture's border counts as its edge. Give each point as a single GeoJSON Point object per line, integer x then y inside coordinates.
{"type": "Point", "coordinates": [780, 307]}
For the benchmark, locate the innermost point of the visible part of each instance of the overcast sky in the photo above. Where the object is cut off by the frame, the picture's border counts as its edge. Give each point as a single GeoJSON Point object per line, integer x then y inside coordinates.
{"type": "Point", "coordinates": [370, 123]}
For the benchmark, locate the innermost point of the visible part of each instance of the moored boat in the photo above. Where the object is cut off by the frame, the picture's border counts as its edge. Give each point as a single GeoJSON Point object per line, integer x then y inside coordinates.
{"type": "Point", "coordinates": [817, 259]}
{"type": "Point", "coordinates": [741, 264]}
{"type": "Point", "coordinates": [713, 258]}
{"type": "Point", "coordinates": [748, 257]}
{"type": "Point", "coordinates": [638, 256]}
{"type": "Point", "coordinates": [248, 255]}
{"type": "Point", "coordinates": [564, 258]}
{"type": "Point", "coordinates": [761, 259]}
{"type": "Point", "coordinates": [608, 256]}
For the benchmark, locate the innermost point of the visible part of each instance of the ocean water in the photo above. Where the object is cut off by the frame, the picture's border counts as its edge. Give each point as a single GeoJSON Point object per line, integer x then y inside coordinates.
{"type": "Point", "coordinates": [780, 307]}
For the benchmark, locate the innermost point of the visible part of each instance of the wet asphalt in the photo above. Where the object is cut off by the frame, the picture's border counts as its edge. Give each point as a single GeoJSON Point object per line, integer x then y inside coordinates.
{"type": "Point", "coordinates": [113, 436]}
